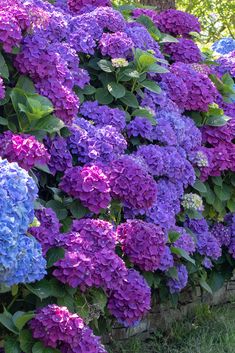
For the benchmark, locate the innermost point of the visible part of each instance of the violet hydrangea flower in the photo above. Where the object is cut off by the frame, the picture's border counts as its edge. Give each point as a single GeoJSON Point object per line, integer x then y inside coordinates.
{"type": "Point", "coordinates": [89, 185]}
{"type": "Point", "coordinates": [2, 89]}
{"type": "Point", "coordinates": [176, 285]}
{"type": "Point", "coordinates": [143, 243]}
{"type": "Point", "coordinates": [116, 45]}
{"type": "Point", "coordinates": [185, 51]}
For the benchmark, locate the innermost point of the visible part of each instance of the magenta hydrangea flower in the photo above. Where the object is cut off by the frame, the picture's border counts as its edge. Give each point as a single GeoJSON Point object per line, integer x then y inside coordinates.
{"type": "Point", "coordinates": [23, 149]}
{"type": "Point", "coordinates": [145, 12]}
{"type": "Point", "coordinates": [131, 300]}
{"type": "Point", "coordinates": [176, 285]}
{"type": "Point", "coordinates": [176, 88]}
{"type": "Point", "coordinates": [88, 184]}
{"type": "Point", "coordinates": [96, 233]}
{"type": "Point", "coordinates": [78, 5]}
{"type": "Point", "coordinates": [201, 91]}
{"type": "Point", "coordinates": [116, 45]}
{"type": "Point", "coordinates": [48, 232]}
{"type": "Point", "coordinates": [143, 243]}
{"type": "Point", "coordinates": [56, 327]}
{"type": "Point", "coordinates": [177, 22]}
{"type": "Point", "coordinates": [2, 89]}
{"type": "Point", "coordinates": [130, 183]}
{"type": "Point", "coordinates": [214, 135]}
{"type": "Point", "coordinates": [185, 51]}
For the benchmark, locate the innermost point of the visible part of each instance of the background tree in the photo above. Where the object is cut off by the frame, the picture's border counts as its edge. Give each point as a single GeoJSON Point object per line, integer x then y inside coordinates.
{"type": "Point", "coordinates": [160, 4]}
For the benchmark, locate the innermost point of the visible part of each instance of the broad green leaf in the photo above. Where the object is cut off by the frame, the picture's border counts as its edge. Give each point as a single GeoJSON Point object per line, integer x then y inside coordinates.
{"type": "Point", "coordinates": [182, 253]}
{"type": "Point", "coordinates": [99, 298]}
{"type": "Point", "coordinates": [38, 348]}
{"type": "Point", "coordinates": [173, 236]}
{"type": "Point", "coordinates": [142, 112]}
{"type": "Point", "coordinates": [105, 65]}
{"type": "Point", "coordinates": [54, 255]}
{"type": "Point", "coordinates": [205, 285]}
{"type": "Point", "coordinates": [231, 205]}
{"type": "Point", "coordinates": [89, 90]}
{"type": "Point", "coordinates": [7, 321]}
{"type": "Point", "coordinates": [151, 86]}
{"type": "Point", "coordinates": [4, 72]}
{"type": "Point", "coordinates": [217, 180]}
{"type": "Point", "coordinates": [223, 193]}
{"type": "Point", "coordinates": [50, 124]}
{"type": "Point", "coordinates": [11, 345]}
{"type": "Point", "coordinates": [26, 84]}
{"type": "Point", "coordinates": [158, 69]}
{"type": "Point", "coordinates": [149, 276]}
{"type": "Point", "coordinates": [116, 90]}
{"type": "Point", "coordinates": [146, 60]}
{"type": "Point", "coordinates": [130, 100]}
{"type": "Point", "coordinates": [173, 273]}
{"type": "Point", "coordinates": [59, 209]}
{"type": "Point", "coordinates": [200, 186]}
{"type": "Point", "coordinates": [103, 96]}
{"type": "Point", "coordinates": [210, 196]}
{"type": "Point", "coordinates": [216, 281]}
{"type": "Point", "coordinates": [3, 121]}
{"type": "Point", "coordinates": [167, 38]}
{"type": "Point", "coordinates": [41, 289]}
{"type": "Point", "coordinates": [217, 120]}
{"type": "Point", "coordinates": [22, 318]}
{"type": "Point", "coordinates": [78, 210]}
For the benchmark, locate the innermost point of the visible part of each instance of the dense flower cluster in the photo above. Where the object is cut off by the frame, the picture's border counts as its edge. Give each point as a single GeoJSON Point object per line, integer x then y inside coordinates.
{"type": "Point", "coordinates": [192, 202]}
{"type": "Point", "coordinates": [143, 243]}
{"type": "Point", "coordinates": [177, 284]}
{"type": "Point", "coordinates": [222, 234]}
{"type": "Point", "coordinates": [116, 45]}
{"type": "Point", "coordinates": [131, 183]}
{"type": "Point", "coordinates": [176, 89]}
{"type": "Point", "coordinates": [177, 22]}
{"type": "Point", "coordinates": [21, 258]}
{"type": "Point", "coordinates": [185, 241]}
{"type": "Point", "coordinates": [77, 6]}
{"type": "Point", "coordinates": [60, 157]}
{"type": "Point", "coordinates": [226, 64]}
{"type": "Point", "coordinates": [133, 293]}
{"type": "Point", "coordinates": [23, 149]}
{"type": "Point", "coordinates": [89, 185]}
{"type": "Point", "coordinates": [185, 51]}
{"type": "Point", "coordinates": [56, 327]}
{"type": "Point", "coordinates": [48, 231]}
{"type": "Point", "coordinates": [224, 45]}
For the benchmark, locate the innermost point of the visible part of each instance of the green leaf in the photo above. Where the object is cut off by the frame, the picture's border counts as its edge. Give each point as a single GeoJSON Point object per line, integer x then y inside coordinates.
{"type": "Point", "coordinates": [167, 38]}
{"type": "Point", "coordinates": [231, 205]}
{"type": "Point", "coordinates": [58, 208]}
{"type": "Point", "coordinates": [182, 253]}
{"type": "Point", "coordinates": [103, 96]}
{"type": "Point", "coordinates": [11, 345]}
{"type": "Point", "coordinates": [218, 205]}
{"type": "Point", "coordinates": [173, 236]}
{"type": "Point", "coordinates": [26, 84]}
{"type": "Point", "coordinates": [99, 298]}
{"type": "Point", "coordinates": [41, 289]}
{"type": "Point", "coordinates": [200, 186]}
{"type": "Point", "coordinates": [7, 321]}
{"type": "Point", "coordinates": [105, 66]}
{"type": "Point", "coordinates": [116, 90]}
{"type": "Point", "coordinates": [130, 100]}
{"type": "Point", "coordinates": [210, 196]}
{"type": "Point", "coordinates": [4, 72]}
{"type": "Point", "coordinates": [151, 86]}
{"type": "Point", "coordinates": [223, 193]}
{"type": "Point", "coordinates": [146, 60]}
{"type": "Point", "coordinates": [173, 273]}
{"type": "Point", "coordinates": [38, 348]}
{"type": "Point", "coordinates": [50, 124]}
{"type": "Point", "coordinates": [142, 112]}
{"type": "Point", "coordinates": [149, 276]}
{"type": "Point", "coordinates": [217, 180]}
{"type": "Point", "coordinates": [21, 318]}
{"type": "Point", "coordinates": [89, 90]}
{"type": "Point", "coordinates": [205, 285]}
{"type": "Point", "coordinates": [3, 121]}
{"type": "Point", "coordinates": [78, 210]}
{"type": "Point", "coordinates": [216, 281]}
{"type": "Point", "coordinates": [158, 69]}
{"type": "Point", "coordinates": [54, 255]}
{"type": "Point", "coordinates": [217, 120]}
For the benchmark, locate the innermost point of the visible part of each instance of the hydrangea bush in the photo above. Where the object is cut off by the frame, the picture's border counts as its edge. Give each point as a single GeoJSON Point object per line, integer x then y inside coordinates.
{"type": "Point", "coordinates": [117, 163]}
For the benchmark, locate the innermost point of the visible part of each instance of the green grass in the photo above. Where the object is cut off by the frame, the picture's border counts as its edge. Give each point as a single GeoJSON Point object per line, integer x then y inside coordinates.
{"type": "Point", "coordinates": [209, 331]}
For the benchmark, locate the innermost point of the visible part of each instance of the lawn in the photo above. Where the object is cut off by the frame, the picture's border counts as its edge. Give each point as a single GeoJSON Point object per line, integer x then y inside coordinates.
{"type": "Point", "coordinates": [209, 331]}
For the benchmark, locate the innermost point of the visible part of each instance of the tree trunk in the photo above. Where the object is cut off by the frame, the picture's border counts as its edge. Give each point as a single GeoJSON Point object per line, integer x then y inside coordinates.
{"type": "Point", "coordinates": [160, 4]}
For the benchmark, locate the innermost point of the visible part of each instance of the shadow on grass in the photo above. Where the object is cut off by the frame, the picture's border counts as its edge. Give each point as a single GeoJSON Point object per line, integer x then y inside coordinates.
{"type": "Point", "coordinates": [208, 331]}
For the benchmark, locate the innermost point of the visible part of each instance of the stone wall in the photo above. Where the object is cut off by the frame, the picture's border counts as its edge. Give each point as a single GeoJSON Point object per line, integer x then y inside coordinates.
{"type": "Point", "coordinates": [164, 315]}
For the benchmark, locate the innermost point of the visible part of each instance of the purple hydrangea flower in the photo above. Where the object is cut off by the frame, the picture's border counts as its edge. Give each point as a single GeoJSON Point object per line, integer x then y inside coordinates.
{"type": "Point", "coordinates": [140, 126]}
{"type": "Point", "coordinates": [109, 19]}
{"type": "Point", "coordinates": [23, 149]}
{"type": "Point", "coordinates": [143, 243]}
{"type": "Point", "coordinates": [145, 12]}
{"type": "Point", "coordinates": [48, 232]}
{"type": "Point", "coordinates": [78, 5]}
{"type": "Point", "coordinates": [130, 183]}
{"type": "Point", "coordinates": [116, 45]}
{"type": "Point", "coordinates": [89, 185]}
{"type": "Point", "coordinates": [222, 234]}
{"type": "Point", "coordinates": [60, 159]}
{"type": "Point", "coordinates": [185, 241]}
{"type": "Point", "coordinates": [185, 51]}
{"type": "Point", "coordinates": [231, 248]}
{"type": "Point", "coordinates": [176, 285]}
{"type": "Point", "coordinates": [176, 88]}
{"type": "Point", "coordinates": [207, 263]}
{"type": "Point", "coordinates": [177, 22]}
{"type": "Point", "coordinates": [102, 115]}
{"type": "Point", "coordinates": [131, 300]}
{"type": "Point", "coordinates": [56, 327]}
{"type": "Point", "coordinates": [167, 260]}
